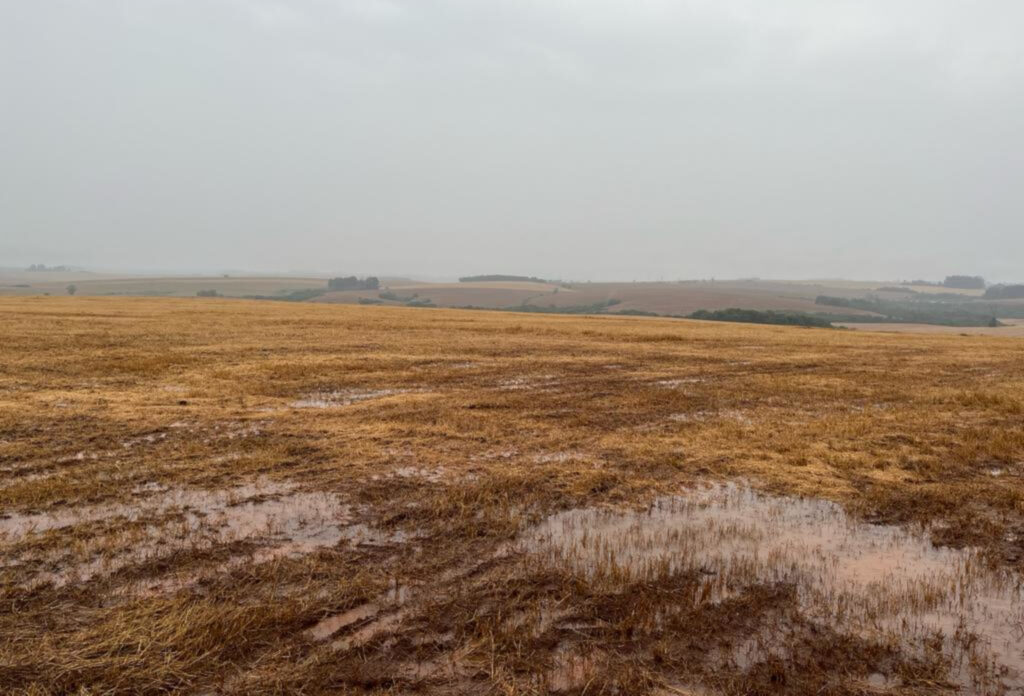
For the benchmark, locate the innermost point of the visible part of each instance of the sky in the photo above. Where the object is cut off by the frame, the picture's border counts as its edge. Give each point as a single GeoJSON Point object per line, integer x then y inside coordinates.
{"type": "Point", "coordinates": [573, 139]}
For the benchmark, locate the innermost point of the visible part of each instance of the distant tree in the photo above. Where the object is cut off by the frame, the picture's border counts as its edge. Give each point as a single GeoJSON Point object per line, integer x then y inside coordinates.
{"type": "Point", "coordinates": [207, 293]}
{"type": "Point", "coordinates": [499, 277]}
{"type": "Point", "coordinates": [72, 289]}
{"type": "Point", "coordinates": [963, 282]}
{"type": "Point", "coordinates": [951, 310]}
{"type": "Point", "coordinates": [1005, 292]}
{"type": "Point", "coordinates": [353, 283]}
{"type": "Point", "coordinates": [282, 296]}
{"type": "Point", "coordinates": [754, 316]}
{"type": "Point", "coordinates": [636, 313]}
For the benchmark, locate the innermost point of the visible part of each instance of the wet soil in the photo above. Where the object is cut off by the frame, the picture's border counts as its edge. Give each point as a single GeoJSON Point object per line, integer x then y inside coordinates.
{"type": "Point", "coordinates": [882, 582]}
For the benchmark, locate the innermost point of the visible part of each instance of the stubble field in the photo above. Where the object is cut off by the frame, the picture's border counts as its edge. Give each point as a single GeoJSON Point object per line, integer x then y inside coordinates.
{"type": "Point", "coordinates": [223, 496]}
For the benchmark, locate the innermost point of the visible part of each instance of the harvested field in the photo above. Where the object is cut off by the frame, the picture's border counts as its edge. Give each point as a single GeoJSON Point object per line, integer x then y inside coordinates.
{"type": "Point", "coordinates": [233, 497]}
{"type": "Point", "coordinates": [1012, 328]}
{"type": "Point", "coordinates": [39, 283]}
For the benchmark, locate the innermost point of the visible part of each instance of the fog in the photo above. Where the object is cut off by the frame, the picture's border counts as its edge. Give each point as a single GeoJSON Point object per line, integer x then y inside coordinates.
{"type": "Point", "coordinates": [596, 139]}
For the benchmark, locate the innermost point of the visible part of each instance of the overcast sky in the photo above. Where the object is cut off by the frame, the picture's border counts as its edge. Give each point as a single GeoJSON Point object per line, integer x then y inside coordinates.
{"type": "Point", "coordinates": [600, 139]}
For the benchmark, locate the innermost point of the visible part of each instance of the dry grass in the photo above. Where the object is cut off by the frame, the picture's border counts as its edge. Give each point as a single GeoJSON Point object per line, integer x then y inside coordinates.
{"type": "Point", "coordinates": [157, 458]}
{"type": "Point", "coordinates": [1012, 328]}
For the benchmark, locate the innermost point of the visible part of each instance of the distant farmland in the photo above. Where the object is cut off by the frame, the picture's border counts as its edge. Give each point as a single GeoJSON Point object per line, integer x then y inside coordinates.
{"type": "Point", "coordinates": [173, 286]}
{"type": "Point", "coordinates": [660, 298]}
{"type": "Point", "coordinates": [845, 302]}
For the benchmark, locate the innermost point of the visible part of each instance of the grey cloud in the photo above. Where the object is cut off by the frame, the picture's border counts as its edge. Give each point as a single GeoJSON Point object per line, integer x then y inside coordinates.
{"type": "Point", "coordinates": [598, 138]}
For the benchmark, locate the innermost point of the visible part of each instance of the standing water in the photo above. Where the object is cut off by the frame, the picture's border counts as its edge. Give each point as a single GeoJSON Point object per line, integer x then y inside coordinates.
{"type": "Point", "coordinates": [877, 581]}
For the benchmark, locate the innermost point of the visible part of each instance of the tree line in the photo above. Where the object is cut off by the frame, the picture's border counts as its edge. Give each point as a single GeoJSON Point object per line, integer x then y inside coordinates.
{"type": "Point", "coordinates": [353, 283]}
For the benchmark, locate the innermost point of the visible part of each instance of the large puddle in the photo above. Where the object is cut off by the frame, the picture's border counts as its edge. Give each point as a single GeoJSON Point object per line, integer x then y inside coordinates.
{"type": "Point", "coordinates": [236, 512]}
{"type": "Point", "coordinates": [881, 582]}
{"type": "Point", "coordinates": [274, 519]}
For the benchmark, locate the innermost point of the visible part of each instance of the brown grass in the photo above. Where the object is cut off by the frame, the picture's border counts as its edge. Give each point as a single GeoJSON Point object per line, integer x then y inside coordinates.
{"type": "Point", "coordinates": [1012, 328]}
{"type": "Point", "coordinates": [446, 435]}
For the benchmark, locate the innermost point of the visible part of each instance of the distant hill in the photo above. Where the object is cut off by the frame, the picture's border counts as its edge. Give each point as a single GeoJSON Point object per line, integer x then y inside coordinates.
{"type": "Point", "coordinates": [1005, 292]}
{"type": "Point", "coordinates": [497, 278]}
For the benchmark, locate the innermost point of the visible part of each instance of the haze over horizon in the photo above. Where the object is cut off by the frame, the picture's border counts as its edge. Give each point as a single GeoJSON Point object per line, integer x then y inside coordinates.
{"type": "Point", "coordinates": [603, 140]}
{"type": "Point", "coordinates": [427, 277]}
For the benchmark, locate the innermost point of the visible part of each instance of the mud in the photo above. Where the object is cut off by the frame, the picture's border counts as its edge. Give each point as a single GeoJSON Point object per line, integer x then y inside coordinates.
{"type": "Point", "coordinates": [676, 383]}
{"type": "Point", "coordinates": [332, 624]}
{"type": "Point", "coordinates": [362, 623]}
{"type": "Point", "coordinates": [343, 397]}
{"type": "Point", "coordinates": [883, 582]}
{"type": "Point", "coordinates": [431, 475]}
{"type": "Point", "coordinates": [240, 510]}
{"type": "Point", "coordinates": [539, 383]}
{"type": "Point", "coordinates": [278, 519]}
{"type": "Point", "coordinates": [561, 457]}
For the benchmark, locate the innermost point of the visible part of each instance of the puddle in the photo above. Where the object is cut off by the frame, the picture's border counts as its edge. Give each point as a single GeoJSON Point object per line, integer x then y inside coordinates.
{"type": "Point", "coordinates": [244, 430]}
{"type": "Point", "coordinates": [356, 535]}
{"type": "Point", "coordinates": [371, 630]}
{"type": "Point", "coordinates": [149, 439]}
{"type": "Point", "coordinates": [495, 454]}
{"type": "Point", "coordinates": [149, 487]}
{"type": "Point", "coordinates": [542, 382]}
{"type": "Point", "coordinates": [877, 581]}
{"type": "Point", "coordinates": [692, 417]}
{"type": "Point", "coordinates": [300, 521]}
{"type": "Point", "coordinates": [675, 383]}
{"type": "Point", "coordinates": [366, 620]}
{"type": "Point", "coordinates": [706, 416]}
{"type": "Point", "coordinates": [343, 397]}
{"type": "Point", "coordinates": [365, 535]}
{"type": "Point", "coordinates": [282, 521]}
{"type": "Point", "coordinates": [561, 457]}
{"type": "Point", "coordinates": [435, 475]}
{"type": "Point", "coordinates": [332, 624]}
{"type": "Point", "coordinates": [239, 508]}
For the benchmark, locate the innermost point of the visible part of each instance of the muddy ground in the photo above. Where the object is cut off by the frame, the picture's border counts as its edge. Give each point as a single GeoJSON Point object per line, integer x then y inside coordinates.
{"type": "Point", "coordinates": [216, 496]}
